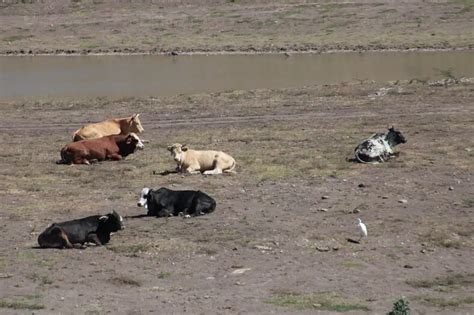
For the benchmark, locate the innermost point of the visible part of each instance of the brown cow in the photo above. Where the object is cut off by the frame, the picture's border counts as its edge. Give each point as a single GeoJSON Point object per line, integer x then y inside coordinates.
{"type": "Point", "coordinates": [109, 127]}
{"type": "Point", "coordinates": [113, 147]}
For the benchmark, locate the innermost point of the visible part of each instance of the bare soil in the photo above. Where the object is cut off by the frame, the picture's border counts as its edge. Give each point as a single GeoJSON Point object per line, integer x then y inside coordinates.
{"type": "Point", "coordinates": [160, 26]}
{"type": "Point", "coordinates": [278, 240]}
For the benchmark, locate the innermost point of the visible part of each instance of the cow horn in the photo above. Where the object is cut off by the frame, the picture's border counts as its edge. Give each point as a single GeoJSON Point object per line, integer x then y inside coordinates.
{"type": "Point", "coordinates": [103, 218]}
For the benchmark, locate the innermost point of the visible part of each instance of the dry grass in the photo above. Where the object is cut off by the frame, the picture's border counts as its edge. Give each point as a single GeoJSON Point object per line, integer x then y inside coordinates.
{"type": "Point", "coordinates": [325, 301]}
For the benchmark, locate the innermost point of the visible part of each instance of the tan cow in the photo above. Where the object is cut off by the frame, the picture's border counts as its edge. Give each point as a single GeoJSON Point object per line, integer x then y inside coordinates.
{"type": "Point", "coordinates": [207, 162]}
{"type": "Point", "coordinates": [109, 127]}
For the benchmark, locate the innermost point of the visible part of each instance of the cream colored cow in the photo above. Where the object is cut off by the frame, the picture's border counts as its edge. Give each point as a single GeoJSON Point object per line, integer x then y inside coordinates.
{"type": "Point", "coordinates": [206, 162]}
{"type": "Point", "coordinates": [109, 127]}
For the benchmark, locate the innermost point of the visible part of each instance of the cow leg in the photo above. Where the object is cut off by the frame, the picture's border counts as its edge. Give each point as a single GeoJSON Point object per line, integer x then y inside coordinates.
{"type": "Point", "coordinates": [213, 172]}
{"type": "Point", "coordinates": [93, 238]}
{"type": "Point", "coordinates": [114, 157]}
{"type": "Point", "coordinates": [64, 240]}
{"type": "Point", "coordinates": [192, 170]}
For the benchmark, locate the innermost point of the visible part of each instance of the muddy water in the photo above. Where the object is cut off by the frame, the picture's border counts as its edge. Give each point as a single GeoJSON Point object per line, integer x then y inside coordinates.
{"type": "Point", "coordinates": [120, 76]}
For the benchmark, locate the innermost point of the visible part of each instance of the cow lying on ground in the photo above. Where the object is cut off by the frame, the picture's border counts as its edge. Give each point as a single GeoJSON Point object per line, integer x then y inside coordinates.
{"type": "Point", "coordinates": [94, 229]}
{"type": "Point", "coordinates": [207, 162]}
{"type": "Point", "coordinates": [109, 127]}
{"type": "Point", "coordinates": [379, 147]}
{"type": "Point", "coordinates": [165, 202]}
{"type": "Point", "coordinates": [106, 148]}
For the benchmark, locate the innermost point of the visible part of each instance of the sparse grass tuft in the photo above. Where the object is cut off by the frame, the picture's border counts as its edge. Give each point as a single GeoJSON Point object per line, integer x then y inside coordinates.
{"type": "Point", "coordinates": [126, 280]}
{"type": "Point", "coordinates": [164, 274]}
{"type": "Point", "coordinates": [327, 301]}
{"type": "Point", "coordinates": [449, 236]}
{"type": "Point", "coordinates": [443, 302]}
{"type": "Point", "coordinates": [458, 279]}
{"type": "Point", "coordinates": [20, 305]}
{"type": "Point", "coordinates": [468, 202]}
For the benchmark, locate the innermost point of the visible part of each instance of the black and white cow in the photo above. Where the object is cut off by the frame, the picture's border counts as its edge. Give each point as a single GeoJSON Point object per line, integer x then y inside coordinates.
{"type": "Point", "coordinates": [165, 202]}
{"type": "Point", "coordinates": [379, 147]}
{"type": "Point", "coordinates": [94, 229]}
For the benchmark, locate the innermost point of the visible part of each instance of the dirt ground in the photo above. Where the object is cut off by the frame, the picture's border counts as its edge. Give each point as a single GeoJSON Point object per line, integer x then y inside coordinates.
{"type": "Point", "coordinates": [278, 240]}
{"type": "Point", "coordinates": [96, 26]}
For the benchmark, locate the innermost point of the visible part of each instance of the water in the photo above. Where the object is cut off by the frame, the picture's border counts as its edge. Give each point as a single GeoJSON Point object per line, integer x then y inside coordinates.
{"type": "Point", "coordinates": [122, 76]}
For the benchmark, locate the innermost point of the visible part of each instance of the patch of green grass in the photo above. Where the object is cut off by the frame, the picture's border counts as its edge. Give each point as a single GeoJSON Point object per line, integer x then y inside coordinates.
{"type": "Point", "coordinates": [326, 301]}
{"type": "Point", "coordinates": [443, 302]}
{"type": "Point", "coordinates": [351, 264]}
{"type": "Point", "coordinates": [458, 279]}
{"type": "Point", "coordinates": [15, 38]}
{"type": "Point", "coordinates": [126, 280]}
{"type": "Point", "coordinates": [164, 274]}
{"type": "Point", "coordinates": [468, 5]}
{"type": "Point", "coordinates": [20, 305]}
{"type": "Point", "coordinates": [468, 202]}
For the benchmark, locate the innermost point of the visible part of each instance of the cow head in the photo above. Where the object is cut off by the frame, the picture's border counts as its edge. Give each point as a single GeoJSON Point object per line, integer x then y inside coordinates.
{"type": "Point", "coordinates": [133, 140]}
{"type": "Point", "coordinates": [134, 124]}
{"type": "Point", "coordinates": [395, 137]}
{"type": "Point", "coordinates": [143, 201]}
{"type": "Point", "coordinates": [112, 222]}
{"type": "Point", "coordinates": [177, 152]}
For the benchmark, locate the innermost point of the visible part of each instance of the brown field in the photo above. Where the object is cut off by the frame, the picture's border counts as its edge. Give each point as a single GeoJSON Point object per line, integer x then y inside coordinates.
{"type": "Point", "coordinates": [271, 224]}
{"type": "Point", "coordinates": [113, 26]}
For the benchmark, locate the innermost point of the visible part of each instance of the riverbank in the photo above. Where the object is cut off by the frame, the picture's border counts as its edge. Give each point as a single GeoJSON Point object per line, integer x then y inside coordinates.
{"type": "Point", "coordinates": [114, 27]}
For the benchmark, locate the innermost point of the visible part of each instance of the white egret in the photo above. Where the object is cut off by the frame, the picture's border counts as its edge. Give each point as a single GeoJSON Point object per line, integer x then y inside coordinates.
{"type": "Point", "coordinates": [362, 229]}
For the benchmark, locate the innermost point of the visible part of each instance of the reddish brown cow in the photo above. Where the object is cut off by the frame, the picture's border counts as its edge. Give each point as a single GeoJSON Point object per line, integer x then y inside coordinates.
{"type": "Point", "coordinates": [113, 147]}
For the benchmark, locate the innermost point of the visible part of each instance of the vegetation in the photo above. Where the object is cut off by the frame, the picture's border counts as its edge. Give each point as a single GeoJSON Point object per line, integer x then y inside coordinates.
{"type": "Point", "coordinates": [400, 307]}
{"type": "Point", "coordinates": [326, 301]}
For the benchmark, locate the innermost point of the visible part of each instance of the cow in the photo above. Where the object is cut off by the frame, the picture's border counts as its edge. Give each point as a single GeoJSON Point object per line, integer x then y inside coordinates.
{"type": "Point", "coordinates": [166, 202]}
{"type": "Point", "coordinates": [379, 147]}
{"type": "Point", "coordinates": [94, 229]}
{"type": "Point", "coordinates": [206, 162]}
{"type": "Point", "coordinates": [114, 147]}
{"type": "Point", "coordinates": [109, 127]}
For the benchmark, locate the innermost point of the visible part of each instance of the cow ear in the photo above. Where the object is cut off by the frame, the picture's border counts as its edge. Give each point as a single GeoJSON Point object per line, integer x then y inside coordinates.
{"type": "Point", "coordinates": [169, 148]}
{"type": "Point", "coordinates": [184, 147]}
{"type": "Point", "coordinates": [103, 218]}
{"type": "Point", "coordinates": [391, 128]}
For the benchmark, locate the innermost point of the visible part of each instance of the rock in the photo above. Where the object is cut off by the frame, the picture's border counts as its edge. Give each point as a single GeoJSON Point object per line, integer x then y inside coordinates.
{"type": "Point", "coordinates": [323, 248]}
{"type": "Point", "coordinates": [423, 251]}
{"type": "Point", "coordinates": [451, 188]}
{"type": "Point", "coordinates": [408, 266]}
{"type": "Point", "coordinates": [355, 210]}
{"type": "Point", "coordinates": [361, 185]}
{"type": "Point", "coordinates": [323, 209]}
{"type": "Point", "coordinates": [325, 197]}
{"type": "Point", "coordinates": [403, 201]}
{"type": "Point", "coordinates": [262, 247]}
{"type": "Point", "coordinates": [240, 271]}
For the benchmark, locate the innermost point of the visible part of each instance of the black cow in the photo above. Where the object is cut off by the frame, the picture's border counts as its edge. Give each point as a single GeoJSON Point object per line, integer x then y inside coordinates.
{"type": "Point", "coordinates": [94, 229]}
{"type": "Point", "coordinates": [166, 202]}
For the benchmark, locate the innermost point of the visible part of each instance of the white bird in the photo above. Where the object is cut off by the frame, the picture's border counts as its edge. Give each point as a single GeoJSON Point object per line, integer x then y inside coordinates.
{"type": "Point", "coordinates": [362, 229]}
